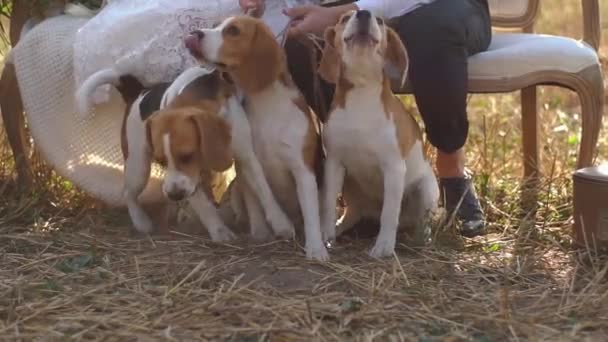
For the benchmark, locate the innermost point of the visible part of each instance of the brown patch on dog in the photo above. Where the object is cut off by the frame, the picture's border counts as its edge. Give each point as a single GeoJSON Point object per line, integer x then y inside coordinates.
{"type": "Point", "coordinates": [199, 139]}
{"type": "Point", "coordinates": [331, 67]}
{"type": "Point", "coordinates": [312, 153]}
{"type": "Point", "coordinates": [395, 53]}
{"type": "Point", "coordinates": [251, 54]}
{"type": "Point", "coordinates": [408, 131]}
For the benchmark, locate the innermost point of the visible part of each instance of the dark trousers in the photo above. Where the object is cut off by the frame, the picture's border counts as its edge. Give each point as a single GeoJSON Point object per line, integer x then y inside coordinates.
{"type": "Point", "coordinates": [439, 38]}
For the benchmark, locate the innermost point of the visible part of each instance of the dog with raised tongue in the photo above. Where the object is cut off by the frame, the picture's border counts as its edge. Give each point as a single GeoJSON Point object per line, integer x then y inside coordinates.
{"type": "Point", "coordinates": [374, 147]}
{"type": "Point", "coordinates": [285, 130]}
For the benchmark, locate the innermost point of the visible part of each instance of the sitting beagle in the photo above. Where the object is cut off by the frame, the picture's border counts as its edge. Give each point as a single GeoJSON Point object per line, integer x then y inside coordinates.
{"type": "Point", "coordinates": [374, 147]}
{"type": "Point", "coordinates": [285, 131]}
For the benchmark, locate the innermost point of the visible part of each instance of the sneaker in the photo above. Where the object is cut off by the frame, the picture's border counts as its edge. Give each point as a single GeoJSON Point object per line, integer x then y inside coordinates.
{"type": "Point", "coordinates": [459, 195]}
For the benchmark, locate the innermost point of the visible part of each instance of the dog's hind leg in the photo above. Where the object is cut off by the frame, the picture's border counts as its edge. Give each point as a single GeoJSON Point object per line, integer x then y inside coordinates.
{"type": "Point", "coordinates": [255, 213]}
{"type": "Point", "coordinates": [253, 172]}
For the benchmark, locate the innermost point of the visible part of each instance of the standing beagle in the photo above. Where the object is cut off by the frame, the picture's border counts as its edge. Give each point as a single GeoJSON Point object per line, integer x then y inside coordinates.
{"type": "Point", "coordinates": [374, 147]}
{"type": "Point", "coordinates": [285, 131]}
{"type": "Point", "coordinates": [178, 125]}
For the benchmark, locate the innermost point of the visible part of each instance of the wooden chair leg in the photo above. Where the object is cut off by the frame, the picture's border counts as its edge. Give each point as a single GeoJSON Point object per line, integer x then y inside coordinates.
{"type": "Point", "coordinates": [14, 125]}
{"type": "Point", "coordinates": [11, 103]}
{"type": "Point", "coordinates": [530, 148]}
{"type": "Point", "coordinates": [590, 89]}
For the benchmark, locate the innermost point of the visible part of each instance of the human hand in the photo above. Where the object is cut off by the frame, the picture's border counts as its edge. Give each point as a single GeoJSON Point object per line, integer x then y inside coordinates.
{"type": "Point", "coordinates": [256, 6]}
{"type": "Point", "coordinates": [314, 19]}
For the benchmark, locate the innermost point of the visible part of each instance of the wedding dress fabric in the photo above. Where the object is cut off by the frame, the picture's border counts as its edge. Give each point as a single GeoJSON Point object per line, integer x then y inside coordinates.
{"type": "Point", "coordinates": [145, 37]}
{"type": "Point", "coordinates": [140, 37]}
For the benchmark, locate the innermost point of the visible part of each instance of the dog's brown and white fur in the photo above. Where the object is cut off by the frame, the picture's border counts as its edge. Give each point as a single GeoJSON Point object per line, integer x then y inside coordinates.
{"type": "Point", "coordinates": [285, 131]}
{"type": "Point", "coordinates": [185, 133]}
{"type": "Point", "coordinates": [374, 148]}
{"type": "Point", "coordinates": [199, 127]}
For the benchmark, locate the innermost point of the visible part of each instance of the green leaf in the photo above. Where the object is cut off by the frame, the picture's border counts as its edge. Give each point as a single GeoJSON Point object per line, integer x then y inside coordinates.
{"type": "Point", "coordinates": [493, 248]}
{"type": "Point", "coordinates": [351, 305]}
{"type": "Point", "coordinates": [52, 285]}
{"type": "Point", "coordinates": [76, 264]}
{"type": "Point", "coordinates": [573, 140]}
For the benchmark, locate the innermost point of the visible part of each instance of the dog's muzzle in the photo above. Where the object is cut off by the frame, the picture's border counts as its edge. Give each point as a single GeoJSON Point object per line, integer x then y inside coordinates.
{"type": "Point", "coordinates": [363, 21]}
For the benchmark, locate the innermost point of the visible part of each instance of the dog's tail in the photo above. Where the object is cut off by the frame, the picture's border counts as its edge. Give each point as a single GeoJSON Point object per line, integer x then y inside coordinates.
{"type": "Point", "coordinates": [128, 86]}
{"type": "Point", "coordinates": [84, 94]}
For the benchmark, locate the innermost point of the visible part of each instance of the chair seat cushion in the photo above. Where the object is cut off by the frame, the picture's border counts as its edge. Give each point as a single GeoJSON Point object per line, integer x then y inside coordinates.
{"type": "Point", "coordinates": [513, 55]}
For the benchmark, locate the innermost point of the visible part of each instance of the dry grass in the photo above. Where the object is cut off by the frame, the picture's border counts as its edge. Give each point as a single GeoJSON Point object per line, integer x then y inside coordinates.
{"type": "Point", "coordinates": [70, 272]}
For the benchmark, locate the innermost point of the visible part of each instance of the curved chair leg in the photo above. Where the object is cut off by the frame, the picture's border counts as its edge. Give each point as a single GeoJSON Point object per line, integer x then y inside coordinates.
{"type": "Point", "coordinates": [531, 149]}
{"type": "Point", "coordinates": [11, 103]}
{"type": "Point", "coordinates": [14, 124]}
{"type": "Point", "coordinates": [590, 89]}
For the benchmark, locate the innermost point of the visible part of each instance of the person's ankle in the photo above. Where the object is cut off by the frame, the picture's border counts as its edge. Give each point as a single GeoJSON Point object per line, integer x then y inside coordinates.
{"type": "Point", "coordinates": [461, 202]}
{"type": "Point", "coordinates": [450, 165]}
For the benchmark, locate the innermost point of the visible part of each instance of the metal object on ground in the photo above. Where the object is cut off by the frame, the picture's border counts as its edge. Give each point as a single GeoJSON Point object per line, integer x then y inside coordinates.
{"type": "Point", "coordinates": [591, 207]}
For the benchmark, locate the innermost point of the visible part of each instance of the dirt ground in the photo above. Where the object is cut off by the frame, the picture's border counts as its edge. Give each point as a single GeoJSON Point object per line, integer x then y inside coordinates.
{"type": "Point", "coordinates": [101, 282]}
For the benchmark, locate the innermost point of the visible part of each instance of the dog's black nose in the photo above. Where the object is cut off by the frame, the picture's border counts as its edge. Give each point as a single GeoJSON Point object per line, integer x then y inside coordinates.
{"type": "Point", "coordinates": [364, 15]}
{"type": "Point", "coordinates": [176, 195]}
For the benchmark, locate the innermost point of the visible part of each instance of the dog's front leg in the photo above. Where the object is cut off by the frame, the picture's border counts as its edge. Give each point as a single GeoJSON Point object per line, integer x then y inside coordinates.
{"type": "Point", "coordinates": [255, 213]}
{"type": "Point", "coordinates": [137, 174]}
{"type": "Point", "coordinates": [334, 180]}
{"type": "Point", "coordinates": [308, 197]}
{"type": "Point", "coordinates": [254, 174]}
{"type": "Point", "coordinates": [394, 185]}
{"type": "Point", "coordinates": [209, 216]}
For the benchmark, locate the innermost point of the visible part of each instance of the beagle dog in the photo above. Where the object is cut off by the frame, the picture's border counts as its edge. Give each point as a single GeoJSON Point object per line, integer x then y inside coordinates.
{"type": "Point", "coordinates": [285, 131]}
{"type": "Point", "coordinates": [181, 126]}
{"type": "Point", "coordinates": [374, 147]}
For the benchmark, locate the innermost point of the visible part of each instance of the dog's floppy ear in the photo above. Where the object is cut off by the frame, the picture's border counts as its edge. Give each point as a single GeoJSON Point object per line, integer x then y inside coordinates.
{"type": "Point", "coordinates": [329, 68]}
{"type": "Point", "coordinates": [215, 136]}
{"type": "Point", "coordinates": [264, 61]}
{"type": "Point", "coordinates": [397, 60]}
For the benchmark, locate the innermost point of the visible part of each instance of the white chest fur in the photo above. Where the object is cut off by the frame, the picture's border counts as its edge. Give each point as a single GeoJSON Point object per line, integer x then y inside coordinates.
{"type": "Point", "coordinates": [363, 138]}
{"type": "Point", "coordinates": [366, 163]}
{"type": "Point", "coordinates": [279, 131]}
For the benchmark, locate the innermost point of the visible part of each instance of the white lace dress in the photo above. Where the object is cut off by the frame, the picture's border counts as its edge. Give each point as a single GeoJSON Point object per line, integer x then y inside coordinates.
{"type": "Point", "coordinates": [145, 37]}
{"type": "Point", "coordinates": [142, 37]}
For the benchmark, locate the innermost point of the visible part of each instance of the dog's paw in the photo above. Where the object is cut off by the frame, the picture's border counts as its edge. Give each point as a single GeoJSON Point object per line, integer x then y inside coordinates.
{"type": "Point", "coordinates": [329, 234]}
{"type": "Point", "coordinates": [317, 252]}
{"type": "Point", "coordinates": [141, 222]}
{"type": "Point", "coordinates": [283, 227]}
{"type": "Point", "coordinates": [222, 234]}
{"type": "Point", "coordinates": [261, 234]}
{"type": "Point", "coordinates": [382, 249]}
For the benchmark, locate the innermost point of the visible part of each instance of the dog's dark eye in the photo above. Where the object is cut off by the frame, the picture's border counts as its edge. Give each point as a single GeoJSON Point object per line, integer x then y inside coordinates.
{"type": "Point", "coordinates": [186, 158]}
{"type": "Point", "coordinates": [232, 30]}
{"type": "Point", "coordinates": [380, 21]}
{"type": "Point", "coordinates": [344, 19]}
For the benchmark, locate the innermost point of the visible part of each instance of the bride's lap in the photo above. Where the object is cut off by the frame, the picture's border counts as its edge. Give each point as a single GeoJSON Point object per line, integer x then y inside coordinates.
{"type": "Point", "coordinates": [144, 37]}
